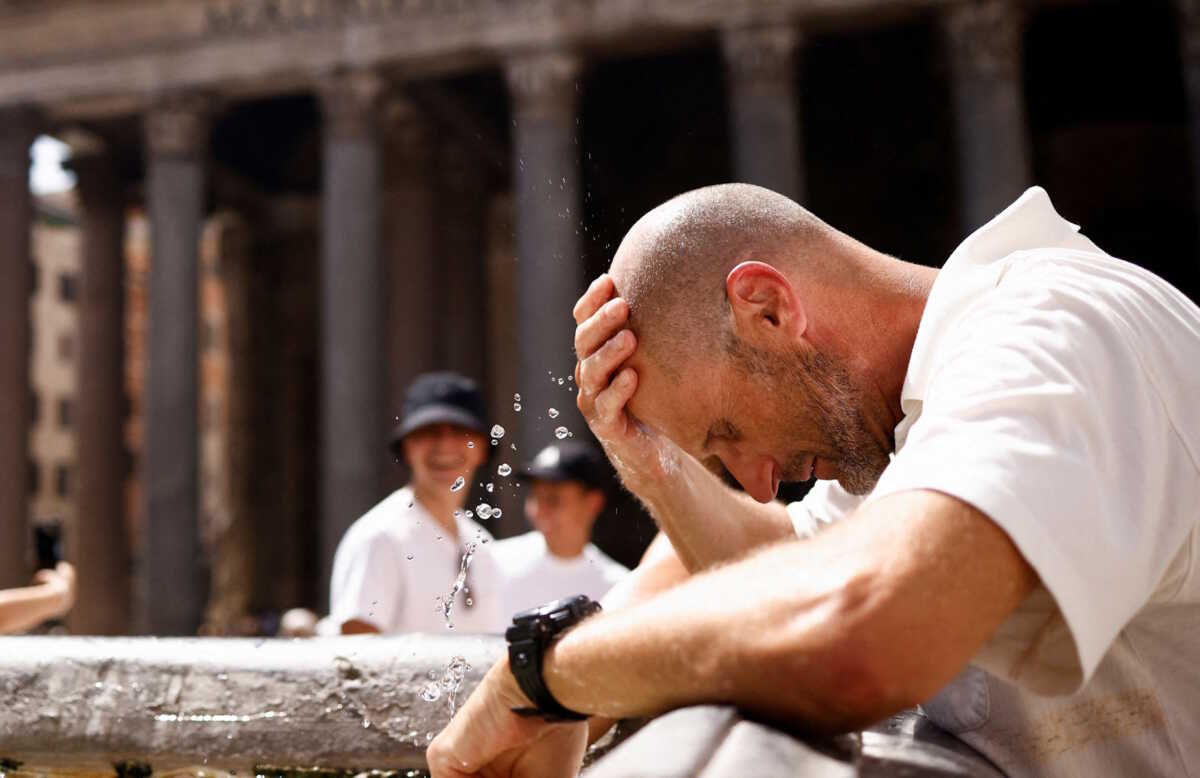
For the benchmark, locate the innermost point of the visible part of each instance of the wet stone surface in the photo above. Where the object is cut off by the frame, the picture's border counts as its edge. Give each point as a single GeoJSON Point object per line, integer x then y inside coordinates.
{"type": "Point", "coordinates": [344, 703]}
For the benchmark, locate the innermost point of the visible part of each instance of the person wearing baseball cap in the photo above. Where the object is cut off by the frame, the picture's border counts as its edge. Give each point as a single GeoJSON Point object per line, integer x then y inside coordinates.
{"type": "Point", "coordinates": [397, 565]}
{"type": "Point", "coordinates": [566, 493]}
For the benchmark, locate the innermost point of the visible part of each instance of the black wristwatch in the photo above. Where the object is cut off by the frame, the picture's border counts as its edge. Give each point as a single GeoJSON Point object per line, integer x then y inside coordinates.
{"type": "Point", "coordinates": [531, 633]}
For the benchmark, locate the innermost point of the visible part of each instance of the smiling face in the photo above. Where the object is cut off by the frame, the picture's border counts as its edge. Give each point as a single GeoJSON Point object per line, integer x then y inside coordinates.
{"type": "Point", "coordinates": [765, 418]}
{"type": "Point", "coordinates": [440, 453]}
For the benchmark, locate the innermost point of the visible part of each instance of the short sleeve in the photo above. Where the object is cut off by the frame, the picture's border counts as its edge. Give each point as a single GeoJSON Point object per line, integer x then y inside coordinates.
{"type": "Point", "coordinates": [1038, 413]}
{"type": "Point", "coordinates": [365, 584]}
{"type": "Point", "coordinates": [825, 503]}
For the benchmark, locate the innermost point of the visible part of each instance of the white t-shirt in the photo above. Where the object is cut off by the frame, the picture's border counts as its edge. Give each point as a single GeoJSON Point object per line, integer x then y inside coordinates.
{"type": "Point", "coordinates": [533, 576]}
{"type": "Point", "coordinates": [395, 565]}
{"type": "Point", "coordinates": [1056, 389]}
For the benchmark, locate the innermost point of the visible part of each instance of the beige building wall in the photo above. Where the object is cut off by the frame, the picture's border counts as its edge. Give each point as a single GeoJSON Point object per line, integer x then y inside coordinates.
{"type": "Point", "coordinates": [53, 356]}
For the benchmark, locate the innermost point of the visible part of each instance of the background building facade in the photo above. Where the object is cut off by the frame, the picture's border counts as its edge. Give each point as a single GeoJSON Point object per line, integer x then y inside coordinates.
{"type": "Point", "coordinates": [339, 194]}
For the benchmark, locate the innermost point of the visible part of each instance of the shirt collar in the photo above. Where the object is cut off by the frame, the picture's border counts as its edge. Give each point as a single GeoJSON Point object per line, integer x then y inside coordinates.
{"type": "Point", "coordinates": [1030, 222]}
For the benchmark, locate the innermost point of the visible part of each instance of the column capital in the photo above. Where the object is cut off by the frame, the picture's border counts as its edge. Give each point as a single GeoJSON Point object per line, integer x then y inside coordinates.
{"type": "Point", "coordinates": [18, 128]}
{"type": "Point", "coordinates": [350, 103]}
{"type": "Point", "coordinates": [984, 38]}
{"type": "Point", "coordinates": [761, 53]}
{"type": "Point", "coordinates": [544, 82]}
{"type": "Point", "coordinates": [177, 126]}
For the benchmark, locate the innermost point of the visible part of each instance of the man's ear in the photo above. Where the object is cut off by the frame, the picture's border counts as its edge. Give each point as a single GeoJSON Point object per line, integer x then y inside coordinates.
{"type": "Point", "coordinates": [764, 303]}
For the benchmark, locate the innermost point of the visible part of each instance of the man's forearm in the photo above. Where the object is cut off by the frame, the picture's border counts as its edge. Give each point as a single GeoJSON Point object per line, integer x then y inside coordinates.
{"type": "Point", "coordinates": [21, 609]}
{"type": "Point", "coordinates": [873, 615]}
{"type": "Point", "coordinates": [725, 636]}
{"type": "Point", "coordinates": [708, 522]}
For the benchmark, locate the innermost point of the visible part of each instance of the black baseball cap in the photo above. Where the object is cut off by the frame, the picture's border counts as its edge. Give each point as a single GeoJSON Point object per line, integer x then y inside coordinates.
{"type": "Point", "coordinates": [570, 460]}
{"type": "Point", "coordinates": [439, 398]}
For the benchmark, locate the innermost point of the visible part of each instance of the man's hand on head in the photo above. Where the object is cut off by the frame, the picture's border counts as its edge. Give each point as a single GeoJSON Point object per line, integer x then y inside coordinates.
{"type": "Point", "coordinates": [603, 345]}
{"type": "Point", "coordinates": [487, 739]}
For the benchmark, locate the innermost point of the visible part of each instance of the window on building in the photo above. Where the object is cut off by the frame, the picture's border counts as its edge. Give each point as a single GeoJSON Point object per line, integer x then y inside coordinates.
{"type": "Point", "coordinates": [68, 287]}
{"type": "Point", "coordinates": [64, 412]}
{"type": "Point", "coordinates": [62, 480]}
{"type": "Point", "coordinates": [35, 477]}
{"type": "Point", "coordinates": [66, 346]}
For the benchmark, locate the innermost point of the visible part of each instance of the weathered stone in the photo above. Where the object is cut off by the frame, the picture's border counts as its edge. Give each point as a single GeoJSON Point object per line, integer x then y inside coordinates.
{"type": "Point", "coordinates": [764, 115]}
{"type": "Point", "coordinates": [100, 399]}
{"type": "Point", "coordinates": [17, 130]}
{"type": "Point", "coordinates": [354, 419]}
{"type": "Point", "coordinates": [550, 272]}
{"type": "Point", "coordinates": [229, 703]}
{"type": "Point", "coordinates": [173, 572]}
{"type": "Point", "coordinates": [983, 41]}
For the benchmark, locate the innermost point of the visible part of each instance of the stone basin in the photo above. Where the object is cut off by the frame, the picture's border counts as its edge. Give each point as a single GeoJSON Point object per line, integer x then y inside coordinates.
{"type": "Point", "coordinates": [86, 704]}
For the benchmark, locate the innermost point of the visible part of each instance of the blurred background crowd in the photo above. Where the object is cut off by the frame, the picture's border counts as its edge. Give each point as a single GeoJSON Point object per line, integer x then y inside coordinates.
{"type": "Point", "coordinates": [232, 232]}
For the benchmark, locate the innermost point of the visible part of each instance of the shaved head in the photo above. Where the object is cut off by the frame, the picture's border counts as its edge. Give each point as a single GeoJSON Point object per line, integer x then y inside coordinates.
{"type": "Point", "coordinates": [671, 266]}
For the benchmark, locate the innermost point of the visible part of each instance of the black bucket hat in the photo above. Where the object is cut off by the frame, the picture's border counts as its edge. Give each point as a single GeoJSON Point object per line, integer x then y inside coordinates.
{"type": "Point", "coordinates": [439, 398]}
{"type": "Point", "coordinates": [570, 460]}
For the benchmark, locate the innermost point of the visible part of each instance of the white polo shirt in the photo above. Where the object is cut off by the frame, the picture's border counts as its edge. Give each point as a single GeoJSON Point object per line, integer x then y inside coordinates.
{"type": "Point", "coordinates": [395, 565]}
{"type": "Point", "coordinates": [1057, 389]}
{"type": "Point", "coordinates": [533, 576]}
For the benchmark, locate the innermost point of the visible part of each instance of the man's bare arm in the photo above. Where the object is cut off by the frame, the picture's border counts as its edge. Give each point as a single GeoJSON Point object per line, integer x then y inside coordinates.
{"type": "Point", "coordinates": [51, 595]}
{"type": "Point", "coordinates": [708, 523]}
{"type": "Point", "coordinates": [874, 615]}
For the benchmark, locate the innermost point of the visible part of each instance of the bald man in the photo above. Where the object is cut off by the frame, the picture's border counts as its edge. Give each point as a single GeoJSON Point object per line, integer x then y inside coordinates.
{"type": "Point", "coordinates": [1004, 526]}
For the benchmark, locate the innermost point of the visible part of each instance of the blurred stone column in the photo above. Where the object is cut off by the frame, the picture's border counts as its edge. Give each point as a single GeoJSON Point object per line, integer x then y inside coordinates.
{"type": "Point", "coordinates": [174, 569]}
{"type": "Point", "coordinates": [764, 111]}
{"type": "Point", "coordinates": [100, 548]}
{"type": "Point", "coordinates": [462, 300]}
{"type": "Point", "coordinates": [354, 419]}
{"type": "Point", "coordinates": [18, 127]}
{"type": "Point", "coordinates": [410, 248]}
{"type": "Point", "coordinates": [549, 266]}
{"type": "Point", "coordinates": [984, 49]}
{"type": "Point", "coordinates": [1189, 26]}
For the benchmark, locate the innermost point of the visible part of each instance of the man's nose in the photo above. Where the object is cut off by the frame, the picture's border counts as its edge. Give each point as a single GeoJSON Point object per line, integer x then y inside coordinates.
{"type": "Point", "coordinates": [755, 474]}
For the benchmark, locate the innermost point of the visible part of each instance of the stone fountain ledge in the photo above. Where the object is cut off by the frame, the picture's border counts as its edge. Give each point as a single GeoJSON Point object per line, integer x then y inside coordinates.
{"type": "Point", "coordinates": [342, 702]}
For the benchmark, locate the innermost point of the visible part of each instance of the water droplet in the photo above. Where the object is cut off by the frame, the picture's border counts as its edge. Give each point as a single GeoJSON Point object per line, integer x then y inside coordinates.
{"type": "Point", "coordinates": [495, 442]}
{"type": "Point", "coordinates": [517, 398]}
{"type": "Point", "coordinates": [560, 382]}
{"type": "Point", "coordinates": [513, 446]}
{"type": "Point", "coordinates": [497, 513]}
{"type": "Point", "coordinates": [503, 470]}
{"type": "Point", "coordinates": [408, 556]}
{"type": "Point", "coordinates": [491, 487]}
{"type": "Point", "coordinates": [517, 407]}
{"type": "Point", "coordinates": [561, 433]}
{"type": "Point", "coordinates": [470, 602]}
{"type": "Point", "coordinates": [483, 510]}
{"type": "Point", "coordinates": [432, 692]}
{"type": "Point", "coordinates": [459, 483]}
{"type": "Point", "coordinates": [469, 513]}
{"type": "Point", "coordinates": [571, 379]}
{"type": "Point", "coordinates": [552, 413]}
{"type": "Point", "coordinates": [497, 431]}
{"type": "Point", "coordinates": [470, 444]}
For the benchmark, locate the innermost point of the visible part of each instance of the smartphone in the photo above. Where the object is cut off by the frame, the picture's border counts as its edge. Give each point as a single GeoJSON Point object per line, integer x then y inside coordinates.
{"type": "Point", "coordinates": [47, 543]}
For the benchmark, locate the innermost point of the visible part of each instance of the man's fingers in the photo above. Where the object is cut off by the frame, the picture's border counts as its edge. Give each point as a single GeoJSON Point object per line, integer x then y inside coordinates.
{"type": "Point", "coordinates": [600, 326]}
{"type": "Point", "coordinates": [597, 293]}
{"type": "Point", "coordinates": [610, 403]}
{"type": "Point", "coordinates": [594, 371]}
